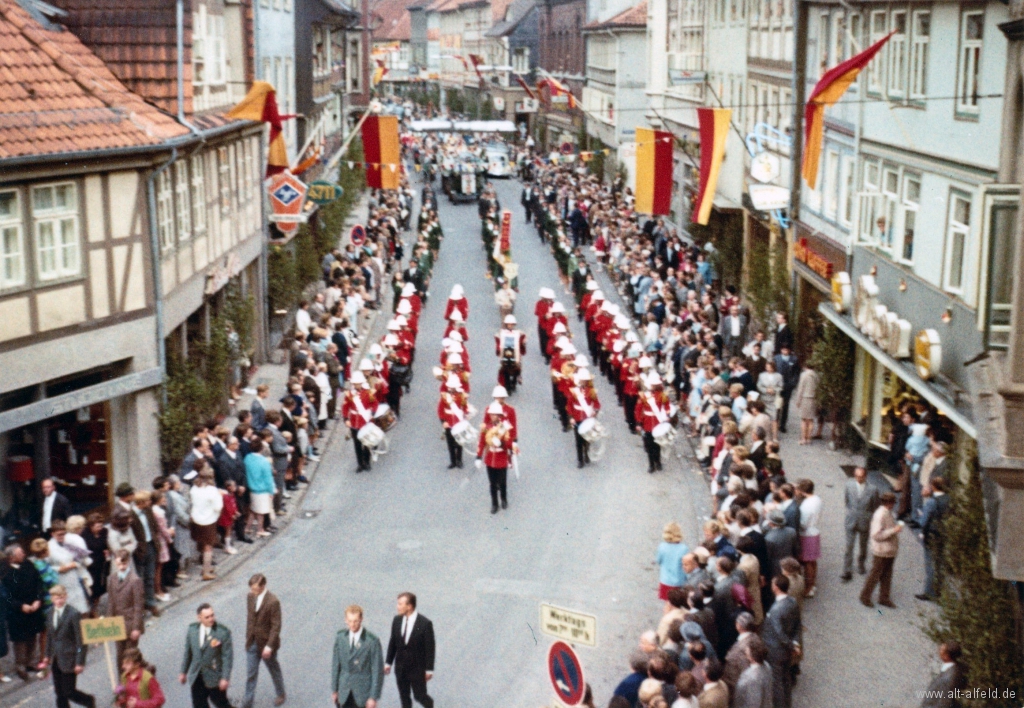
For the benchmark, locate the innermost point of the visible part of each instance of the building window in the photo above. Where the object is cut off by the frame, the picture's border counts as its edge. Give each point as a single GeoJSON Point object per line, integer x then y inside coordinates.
{"type": "Point", "coordinates": [521, 60]}
{"type": "Point", "coordinates": [182, 201]}
{"type": "Point", "coordinates": [165, 210]}
{"type": "Point", "coordinates": [872, 222]}
{"type": "Point", "coordinates": [321, 51]}
{"type": "Point", "coordinates": [12, 245]}
{"type": "Point", "coordinates": [847, 190]}
{"type": "Point", "coordinates": [824, 42]}
{"type": "Point", "coordinates": [853, 36]}
{"type": "Point", "coordinates": [922, 30]}
{"type": "Point", "coordinates": [209, 56]}
{"type": "Point", "coordinates": [198, 196]}
{"type": "Point", "coordinates": [224, 180]}
{"type": "Point", "coordinates": [969, 76]}
{"type": "Point", "coordinates": [876, 67]}
{"type": "Point", "coordinates": [354, 65]}
{"type": "Point", "coordinates": [831, 185]}
{"type": "Point", "coordinates": [910, 206]}
{"type": "Point", "coordinates": [957, 233]}
{"type": "Point", "coordinates": [891, 190]}
{"type": "Point", "coordinates": [1002, 230]}
{"type": "Point", "coordinates": [55, 213]}
{"type": "Point", "coordinates": [897, 46]}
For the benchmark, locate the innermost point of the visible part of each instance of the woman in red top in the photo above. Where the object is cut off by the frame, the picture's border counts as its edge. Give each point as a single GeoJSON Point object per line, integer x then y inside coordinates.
{"type": "Point", "coordinates": [139, 687]}
{"type": "Point", "coordinates": [228, 513]}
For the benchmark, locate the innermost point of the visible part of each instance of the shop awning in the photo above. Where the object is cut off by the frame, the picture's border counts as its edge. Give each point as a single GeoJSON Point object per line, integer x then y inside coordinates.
{"type": "Point", "coordinates": [82, 398]}
{"type": "Point", "coordinates": [904, 370]}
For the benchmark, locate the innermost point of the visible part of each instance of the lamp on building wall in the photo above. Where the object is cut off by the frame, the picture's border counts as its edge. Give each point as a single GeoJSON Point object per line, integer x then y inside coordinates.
{"type": "Point", "coordinates": [947, 315]}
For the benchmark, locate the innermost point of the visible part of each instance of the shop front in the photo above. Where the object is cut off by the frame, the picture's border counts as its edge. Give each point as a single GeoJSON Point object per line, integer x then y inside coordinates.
{"type": "Point", "coordinates": [816, 258]}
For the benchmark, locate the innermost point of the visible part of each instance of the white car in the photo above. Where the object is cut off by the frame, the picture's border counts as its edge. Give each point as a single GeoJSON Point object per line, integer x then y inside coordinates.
{"type": "Point", "coordinates": [498, 164]}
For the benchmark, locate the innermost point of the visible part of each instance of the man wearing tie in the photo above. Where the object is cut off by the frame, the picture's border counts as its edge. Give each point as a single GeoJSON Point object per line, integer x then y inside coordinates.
{"type": "Point", "coordinates": [56, 506]}
{"type": "Point", "coordinates": [861, 501]}
{"type": "Point", "coordinates": [411, 652]}
{"type": "Point", "coordinates": [206, 666]}
{"type": "Point", "coordinates": [262, 639]}
{"type": "Point", "coordinates": [357, 670]}
{"type": "Point", "coordinates": [65, 650]}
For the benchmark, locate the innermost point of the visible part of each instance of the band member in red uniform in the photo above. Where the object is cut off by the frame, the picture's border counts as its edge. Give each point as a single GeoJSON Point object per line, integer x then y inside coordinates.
{"type": "Point", "coordinates": [452, 409]}
{"type": "Point", "coordinates": [588, 295]}
{"type": "Point", "coordinates": [615, 361]}
{"type": "Point", "coordinates": [652, 409]}
{"type": "Point", "coordinates": [593, 307]}
{"type": "Point", "coordinates": [449, 347]}
{"type": "Point", "coordinates": [629, 375]}
{"type": "Point", "coordinates": [495, 451]}
{"type": "Point", "coordinates": [456, 324]}
{"type": "Point", "coordinates": [399, 362]}
{"type": "Point", "coordinates": [457, 302]}
{"type": "Point", "coordinates": [357, 410]}
{"type": "Point", "coordinates": [562, 370]}
{"type": "Point", "coordinates": [507, 412]}
{"type": "Point", "coordinates": [509, 347]}
{"type": "Point", "coordinates": [405, 312]}
{"type": "Point", "coordinates": [582, 404]}
{"type": "Point", "coordinates": [409, 293]}
{"type": "Point", "coordinates": [453, 367]}
{"type": "Point", "coordinates": [540, 311]}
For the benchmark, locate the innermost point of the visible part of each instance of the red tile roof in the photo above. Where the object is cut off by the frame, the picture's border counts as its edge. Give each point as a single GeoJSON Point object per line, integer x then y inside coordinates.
{"type": "Point", "coordinates": [138, 42]}
{"type": "Point", "coordinates": [57, 96]}
{"type": "Point", "coordinates": [635, 16]}
{"type": "Point", "coordinates": [498, 8]}
{"type": "Point", "coordinates": [391, 20]}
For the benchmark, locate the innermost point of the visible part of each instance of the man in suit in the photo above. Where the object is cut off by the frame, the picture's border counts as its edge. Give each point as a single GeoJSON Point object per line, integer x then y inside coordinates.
{"type": "Point", "coordinates": [950, 679]}
{"type": "Point", "coordinates": [279, 450]}
{"type": "Point", "coordinates": [262, 639]}
{"type": "Point", "coordinates": [56, 506]}
{"type": "Point", "coordinates": [933, 516]}
{"type": "Point", "coordinates": [786, 364]}
{"type": "Point", "coordinates": [258, 409]}
{"type": "Point", "coordinates": [733, 329]}
{"type": "Point", "coordinates": [411, 652]}
{"type": "Point", "coordinates": [781, 633]}
{"type": "Point", "coordinates": [715, 693]}
{"type": "Point", "coordinates": [790, 506]}
{"type": "Point", "coordinates": [885, 544]}
{"type": "Point", "coordinates": [65, 650]}
{"type": "Point", "coordinates": [783, 334]}
{"type": "Point", "coordinates": [357, 669]}
{"type": "Point", "coordinates": [206, 665]}
{"type": "Point", "coordinates": [736, 660]}
{"type": "Point", "coordinates": [861, 502]}
{"type": "Point", "coordinates": [143, 525]}
{"type": "Point", "coordinates": [756, 685]}
{"type": "Point", "coordinates": [126, 598]}
{"type": "Point", "coordinates": [782, 541]}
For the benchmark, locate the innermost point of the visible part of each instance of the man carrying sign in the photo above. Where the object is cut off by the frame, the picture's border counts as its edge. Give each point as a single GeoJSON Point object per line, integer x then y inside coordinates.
{"type": "Point", "coordinates": [65, 650]}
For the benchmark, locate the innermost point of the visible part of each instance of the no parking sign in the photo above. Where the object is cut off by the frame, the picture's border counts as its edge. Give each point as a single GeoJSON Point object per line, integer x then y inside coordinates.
{"type": "Point", "coordinates": [358, 235]}
{"type": "Point", "coordinates": [566, 674]}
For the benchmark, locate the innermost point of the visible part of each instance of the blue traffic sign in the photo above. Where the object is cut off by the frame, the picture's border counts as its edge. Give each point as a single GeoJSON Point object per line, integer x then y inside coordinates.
{"type": "Point", "coordinates": [566, 674]}
{"type": "Point", "coordinates": [358, 235]}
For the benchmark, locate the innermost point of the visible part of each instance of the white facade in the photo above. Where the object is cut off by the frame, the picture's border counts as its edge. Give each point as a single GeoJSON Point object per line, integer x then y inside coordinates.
{"type": "Point", "coordinates": [275, 57]}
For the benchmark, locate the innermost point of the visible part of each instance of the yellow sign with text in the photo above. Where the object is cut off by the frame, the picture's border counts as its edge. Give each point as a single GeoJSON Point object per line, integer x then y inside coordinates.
{"type": "Point", "coordinates": [103, 629]}
{"type": "Point", "coordinates": [568, 625]}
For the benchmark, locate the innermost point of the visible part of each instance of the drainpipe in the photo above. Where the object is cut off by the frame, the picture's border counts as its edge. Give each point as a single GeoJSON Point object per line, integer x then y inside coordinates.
{"type": "Point", "coordinates": [158, 288]}
{"type": "Point", "coordinates": [179, 11]}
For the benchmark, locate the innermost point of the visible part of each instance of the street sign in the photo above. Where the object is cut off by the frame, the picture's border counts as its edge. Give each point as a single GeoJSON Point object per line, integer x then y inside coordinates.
{"type": "Point", "coordinates": [769, 196]}
{"type": "Point", "coordinates": [566, 674]}
{"type": "Point", "coordinates": [287, 195]}
{"type": "Point", "coordinates": [103, 629]}
{"type": "Point", "coordinates": [358, 235]}
{"type": "Point", "coordinates": [324, 192]}
{"type": "Point", "coordinates": [568, 625]}
{"type": "Point", "coordinates": [681, 77]}
{"type": "Point", "coordinates": [567, 148]}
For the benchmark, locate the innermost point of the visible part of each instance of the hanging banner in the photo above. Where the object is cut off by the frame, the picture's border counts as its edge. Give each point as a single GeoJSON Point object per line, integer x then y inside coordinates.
{"type": "Point", "coordinates": [506, 231]}
{"type": "Point", "coordinates": [381, 147]}
{"type": "Point", "coordinates": [653, 171]}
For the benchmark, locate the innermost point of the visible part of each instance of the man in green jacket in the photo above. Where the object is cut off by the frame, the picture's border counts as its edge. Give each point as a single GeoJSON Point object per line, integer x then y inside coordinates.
{"type": "Point", "coordinates": [206, 666]}
{"type": "Point", "coordinates": [357, 670]}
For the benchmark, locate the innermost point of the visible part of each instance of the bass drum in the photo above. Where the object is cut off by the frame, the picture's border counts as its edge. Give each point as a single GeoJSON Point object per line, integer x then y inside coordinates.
{"type": "Point", "coordinates": [384, 418]}
{"type": "Point", "coordinates": [466, 435]}
{"type": "Point", "coordinates": [595, 436]}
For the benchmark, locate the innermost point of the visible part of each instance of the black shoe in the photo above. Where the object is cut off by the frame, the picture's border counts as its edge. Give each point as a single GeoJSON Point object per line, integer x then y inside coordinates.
{"type": "Point", "coordinates": [452, 466]}
{"type": "Point", "coordinates": [244, 539]}
{"type": "Point", "coordinates": [862, 570]}
{"type": "Point", "coordinates": [303, 480]}
{"type": "Point", "coordinates": [359, 469]}
{"type": "Point", "coordinates": [504, 503]}
{"type": "Point", "coordinates": [579, 464]}
{"type": "Point", "coordinates": [925, 598]}
{"type": "Point", "coordinates": [846, 577]}
{"type": "Point", "coordinates": [650, 470]}
{"type": "Point", "coordinates": [494, 509]}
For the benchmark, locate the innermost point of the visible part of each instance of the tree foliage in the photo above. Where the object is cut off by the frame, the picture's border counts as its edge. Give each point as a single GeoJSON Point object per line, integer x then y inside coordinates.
{"type": "Point", "coordinates": [976, 609]}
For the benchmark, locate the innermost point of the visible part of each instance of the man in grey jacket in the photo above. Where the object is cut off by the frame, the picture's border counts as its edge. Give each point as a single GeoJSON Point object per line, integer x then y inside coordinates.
{"type": "Point", "coordinates": [781, 633]}
{"type": "Point", "coordinates": [65, 650]}
{"type": "Point", "coordinates": [861, 499]}
{"type": "Point", "coordinates": [357, 669]}
{"type": "Point", "coordinates": [206, 664]}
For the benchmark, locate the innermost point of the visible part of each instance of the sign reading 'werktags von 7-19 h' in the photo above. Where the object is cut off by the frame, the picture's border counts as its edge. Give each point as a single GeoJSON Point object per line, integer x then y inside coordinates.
{"type": "Point", "coordinates": [568, 625]}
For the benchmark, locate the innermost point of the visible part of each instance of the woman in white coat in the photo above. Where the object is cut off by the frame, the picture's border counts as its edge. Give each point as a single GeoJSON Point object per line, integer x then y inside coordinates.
{"type": "Point", "coordinates": [806, 400]}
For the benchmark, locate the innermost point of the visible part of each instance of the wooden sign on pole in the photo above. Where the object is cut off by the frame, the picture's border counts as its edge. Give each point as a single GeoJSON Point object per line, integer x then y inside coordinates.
{"type": "Point", "coordinates": [105, 630]}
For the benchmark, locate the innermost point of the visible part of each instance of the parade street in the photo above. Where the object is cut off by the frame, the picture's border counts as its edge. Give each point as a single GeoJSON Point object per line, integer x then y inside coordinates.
{"type": "Point", "coordinates": [579, 539]}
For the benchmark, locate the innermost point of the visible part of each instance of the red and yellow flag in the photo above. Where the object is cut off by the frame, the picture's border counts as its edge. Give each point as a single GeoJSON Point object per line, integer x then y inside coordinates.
{"type": "Point", "coordinates": [381, 150]}
{"type": "Point", "coordinates": [714, 129]}
{"type": "Point", "coordinates": [526, 86]}
{"type": "Point", "coordinates": [380, 72]}
{"type": "Point", "coordinates": [260, 104]}
{"type": "Point", "coordinates": [653, 171]}
{"type": "Point", "coordinates": [829, 89]}
{"type": "Point", "coordinates": [557, 88]}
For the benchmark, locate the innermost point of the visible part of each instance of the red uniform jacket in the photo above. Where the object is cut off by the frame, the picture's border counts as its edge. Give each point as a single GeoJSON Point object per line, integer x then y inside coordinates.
{"type": "Point", "coordinates": [452, 408]}
{"type": "Point", "coordinates": [461, 329]}
{"type": "Point", "coordinates": [630, 376]}
{"type": "Point", "coordinates": [463, 377]}
{"type": "Point", "coordinates": [602, 323]}
{"type": "Point", "coordinates": [585, 301]}
{"type": "Point", "coordinates": [541, 308]}
{"type": "Point", "coordinates": [592, 309]}
{"type": "Point", "coordinates": [577, 410]}
{"type": "Point", "coordinates": [354, 417]}
{"type": "Point", "coordinates": [416, 303]}
{"type": "Point", "coordinates": [465, 359]}
{"type": "Point", "coordinates": [508, 414]}
{"type": "Point", "coordinates": [402, 354]}
{"type": "Point", "coordinates": [408, 337]}
{"type": "Point", "coordinates": [645, 409]}
{"type": "Point", "coordinates": [462, 305]}
{"type": "Point", "coordinates": [496, 457]}
{"type": "Point", "coordinates": [551, 320]}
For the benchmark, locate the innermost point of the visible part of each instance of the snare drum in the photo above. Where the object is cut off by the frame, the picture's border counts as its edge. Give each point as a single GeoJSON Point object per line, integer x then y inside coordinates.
{"type": "Point", "coordinates": [591, 430]}
{"type": "Point", "coordinates": [664, 434]}
{"type": "Point", "coordinates": [370, 435]}
{"type": "Point", "coordinates": [464, 433]}
{"type": "Point", "coordinates": [384, 417]}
